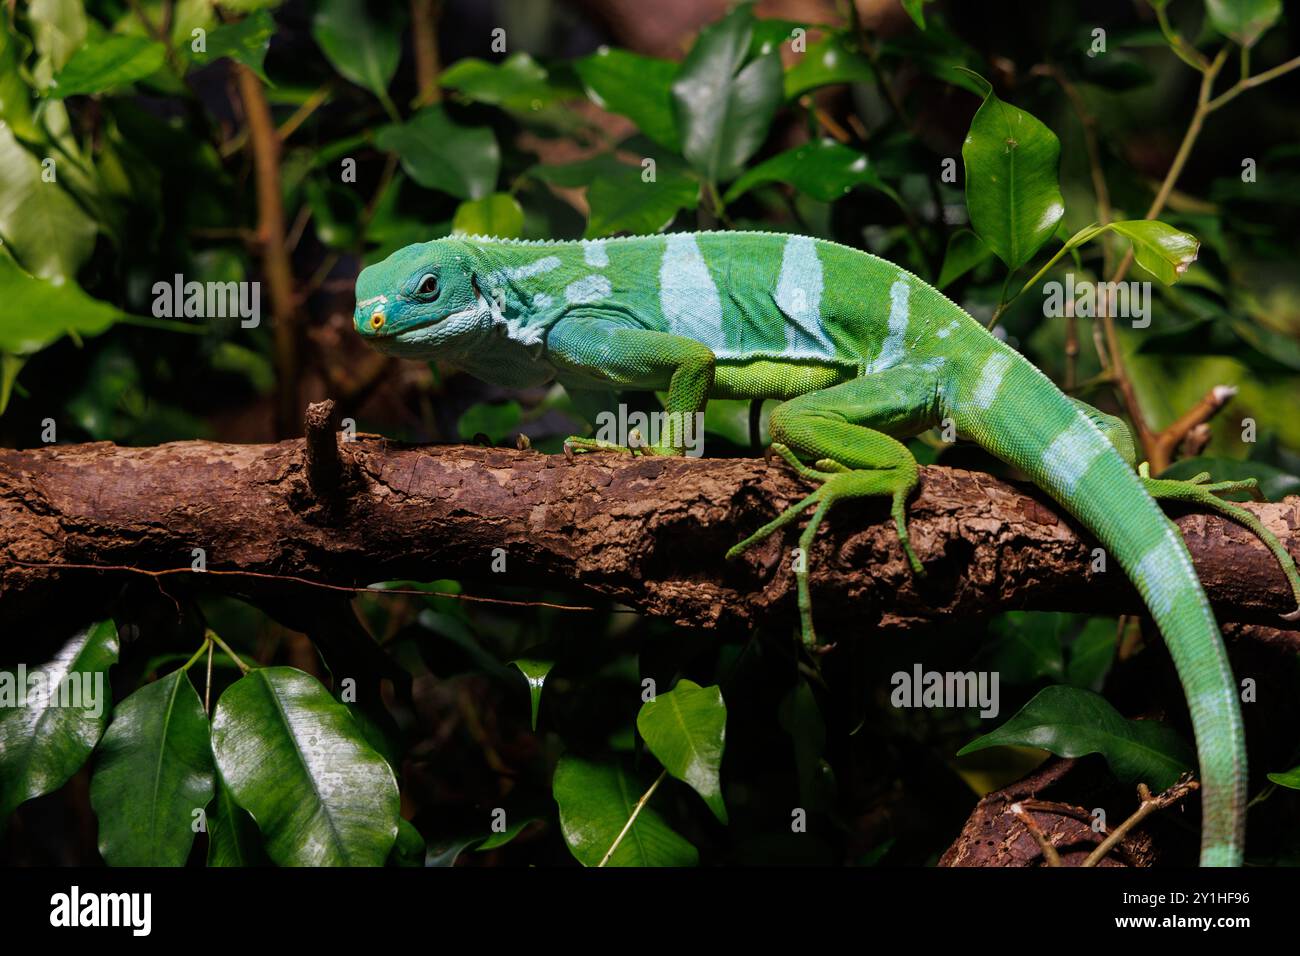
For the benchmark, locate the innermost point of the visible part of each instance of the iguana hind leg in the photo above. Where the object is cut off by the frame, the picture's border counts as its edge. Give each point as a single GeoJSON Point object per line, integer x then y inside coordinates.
{"type": "Point", "coordinates": [1200, 490]}
{"type": "Point", "coordinates": [846, 431]}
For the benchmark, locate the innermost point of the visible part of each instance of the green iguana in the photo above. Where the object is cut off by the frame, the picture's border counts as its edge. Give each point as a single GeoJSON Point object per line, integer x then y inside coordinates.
{"type": "Point", "coordinates": [861, 353]}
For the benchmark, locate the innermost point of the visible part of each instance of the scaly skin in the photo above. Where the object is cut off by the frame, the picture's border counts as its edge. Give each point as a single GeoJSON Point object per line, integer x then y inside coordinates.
{"type": "Point", "coordinates": [862, 354]}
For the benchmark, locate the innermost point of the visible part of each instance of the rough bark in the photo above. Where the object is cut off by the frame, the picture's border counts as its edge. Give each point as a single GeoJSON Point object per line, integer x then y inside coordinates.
{"type": "Point", "coordinates": [647, 532]}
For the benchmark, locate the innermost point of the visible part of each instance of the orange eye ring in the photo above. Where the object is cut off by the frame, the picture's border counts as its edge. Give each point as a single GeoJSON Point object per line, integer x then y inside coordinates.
{"type": "Point", "coordinates": [377, 321]}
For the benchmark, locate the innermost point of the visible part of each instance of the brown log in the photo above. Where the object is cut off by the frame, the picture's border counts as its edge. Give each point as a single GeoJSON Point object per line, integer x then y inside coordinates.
{"type": "Point", "coordinates": [647, 532]}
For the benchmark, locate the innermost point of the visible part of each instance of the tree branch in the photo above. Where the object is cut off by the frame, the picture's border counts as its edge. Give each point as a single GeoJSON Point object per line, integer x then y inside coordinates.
{"type": "Point", "coordinates": [646, 532]}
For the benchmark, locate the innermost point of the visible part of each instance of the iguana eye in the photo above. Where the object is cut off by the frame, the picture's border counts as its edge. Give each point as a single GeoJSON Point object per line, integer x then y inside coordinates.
{"type": "Point", "coordinates": [428, 286]}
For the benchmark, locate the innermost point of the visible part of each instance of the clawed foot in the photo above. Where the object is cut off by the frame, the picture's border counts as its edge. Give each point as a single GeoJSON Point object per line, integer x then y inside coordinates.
{"type": "Point", "coordinates": [576, 445]}
{"type": "Point", "coordinates": [1201, 491]}
{"type": "Point", "coordinates": [837, 482]}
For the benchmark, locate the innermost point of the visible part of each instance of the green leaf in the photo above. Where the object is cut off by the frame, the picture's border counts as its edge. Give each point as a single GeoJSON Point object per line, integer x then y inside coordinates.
{"type": "Point", "coordinates": [1071, 722]}
{"type": "Point", "coordinates": [244, 41]}
{"type": "Point", "coordinates": [15, 95]}
{"type": "Point", "coordinates": [1274, 483]}
{"type": "Point", "coordinates": [635, 86]}
{"type": "Point", "coordinates": [724, 105]}
{"type": "Point", "coordinates": [408, 850]}
{"type": "Point", "coordinates": [42, 743]}
{"type": "Point", "coordinates": [518, 83]}
{"type": "Point", "coordinates": [1027, 646]}
{"type": "Point", "coordinates": [1289, 779]}
{"type": "Point", "coordinates": [1012, 192]}
{"type": "Point", "coordinates": [440, 154]}
{"type": "Point", "coordinates": [363, 49]}
{"type": "Point", "coordinates": [498, 420]}
{"type": "Point", "coordinates": [10, 366]}
{"type": "Point", "coordinates": [37, 312]}
{"type": "Point", "coordinates": [59, 28]}
{"type": "Point", "coordinates": [626, 202]}
{"type": "Point", "coordinates": [824, 169]}
{"type": "Point", "coordinates": [505, 836]}
{"type": "Point", "coordinates": [153, 770]}
{"type": "Point", "coordinates": [1243, 20]}
{"type": "Point", "coordinates": [294, 758]}
{"type": "Point", "coordinates": [686, 730]}
{"type": "Point", "coordinates": [41, 224]}
{"type": "Point", "coordinates": [233, 837]}
{"type": "Point", "coordinates": [965, 251]}
{"type": "Point", "coordinates": [497, 215]}
{"type": "Point", "coordinates": [915, 10]}
{"type": "Point", "coordinates": [1091, 654]}
{"type": "Point", "coordinates": [831, 60]}
{"type": "Point", "coordinates": [534, 672]}
{"type": "Point", "coordinates": [596, 801]}
{"type": "Point", "coordinates": [336, 212]}
{"type": "Point", "coordinates": [1160, 249]}
{"type": "Point", "coordinates": [108, 63]}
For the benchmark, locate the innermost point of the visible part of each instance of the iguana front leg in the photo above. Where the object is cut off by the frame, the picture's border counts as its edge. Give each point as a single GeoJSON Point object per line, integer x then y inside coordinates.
{"type": "Point", "coordinates": [608, 353]}
{"type": "Point", "coordinates": [846, 430]}
{"type": "Point", "coordinates": [1200, 490]}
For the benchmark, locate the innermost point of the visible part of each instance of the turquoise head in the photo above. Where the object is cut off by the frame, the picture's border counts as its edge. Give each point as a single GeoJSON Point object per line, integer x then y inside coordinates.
{"type": "Point", "coordinates": [421, 301]}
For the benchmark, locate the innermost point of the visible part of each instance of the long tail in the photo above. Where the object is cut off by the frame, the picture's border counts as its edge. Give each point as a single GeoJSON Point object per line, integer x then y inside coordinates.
{"type": "Point", "coordinates": [1016, 413]}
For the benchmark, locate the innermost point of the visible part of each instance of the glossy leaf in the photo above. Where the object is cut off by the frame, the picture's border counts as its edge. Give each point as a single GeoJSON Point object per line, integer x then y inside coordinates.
{"type": "Point", "coordinates": [497, 215]}
{"type": "Point", "coordinates": [244, 41]}
{"type": "Point", "coordinates": [534, 672]}
{"type": "Point", "coordinates": [408, 849]}
{"type": "Point", "coordinates": [233, 837]}
{"type": "Point", "coordinates": [1091, 654]}
{"type": "Point", "coordinates": [1071, 722]}
{"type": "Point", "coordinates": [364, 50]}
{"type": "Point", "coordinates": [1160, 249]}
{"type": "Point", "coordinates": [965, 251]}
{"type": "Point", "coordinates": [59, 28]}
{"type": "Point", "coordinates": [15, 95]}
{"type": "Point", "coordinates": [43, 743]}
{"type": "Point", "coordinates": [1243, 20]}
{"type": "Point", "coordinates": [512, 830]}
{"type": "Point", "coordinates": [833, 59]}
{"type": "Point", "coordinates": [109, 63]}
{"type": "Point", "coordinates": [294, 758]}
{"type": "Point", "coordinates": [37, 312]}
{"type": "Point", "coordinates": [1012, 192]}
{"type": "Point", "coordinates": [686, 730]}
{"type": "Point", "coordinates": [824, 169]}
{"type": "Point", "coordinates": [1289, 779]}
{"type": "Point", "coordinates": [518, 83]}
{"type": "Point", "coordinates": [44, 228]}
{"type": "Point", "coordinates": [723, 104]}
{"type": "Point", "coordinates": [440, 154]}
{"type": "Point", "coordinates": [638, 87]}
{"type": "Point", "coordinates": [916, 10]}
{"type": "Point", "coordinates": [626, 202]}
{"type": "Point", "coordinates": [499, 421]}
{"type": "Point", "coordinates": [152, 771]}
{"type": "Point", "coordinates": [596, 801]}
{"type": "Point", "coordinates": [1026, 647]}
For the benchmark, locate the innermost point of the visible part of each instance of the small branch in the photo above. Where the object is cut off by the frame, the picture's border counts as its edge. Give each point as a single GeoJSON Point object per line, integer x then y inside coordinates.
{"type": "Point", "coordinates": [1049, 851]}
{"type": "Point", "coordinates": [1166, 441]}
{"type": "Point", "coordinates": [1149, 805]}
{"type": "Point", "coordinates": [325, 467]}
{"type": "Point", "coordinates": [636, 811]}
{"type": "Point", "coordinates": [424, 37]}
{"type": "Point", "coordinates": [276, 267]}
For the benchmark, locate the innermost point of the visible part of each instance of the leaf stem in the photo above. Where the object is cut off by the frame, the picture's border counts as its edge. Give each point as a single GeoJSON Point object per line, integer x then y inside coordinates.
{"type": "Point", "coordinates": [197, 654]}
{"type": "Point", "coordinates": [212, 636]}
{"type": "Point", "coordinates": [636, 811]}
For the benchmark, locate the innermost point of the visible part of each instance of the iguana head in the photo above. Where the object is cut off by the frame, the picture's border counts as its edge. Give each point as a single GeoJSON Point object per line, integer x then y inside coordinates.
{"type": "Point", "coordinates": [421, 300]}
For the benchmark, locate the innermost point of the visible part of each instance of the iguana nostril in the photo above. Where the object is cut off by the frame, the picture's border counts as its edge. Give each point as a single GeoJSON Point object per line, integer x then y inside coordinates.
{"type": "Point", "coordinates": [376, 321]}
